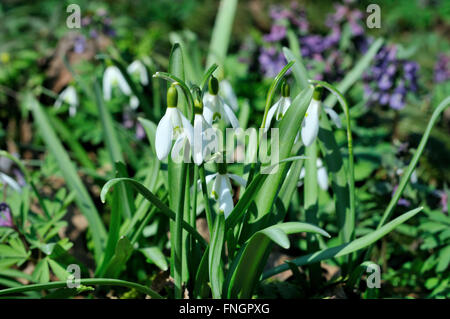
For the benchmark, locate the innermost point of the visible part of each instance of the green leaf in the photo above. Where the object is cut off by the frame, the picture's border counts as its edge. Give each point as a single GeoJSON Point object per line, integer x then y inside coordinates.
{"type": "Point", "coordinates": [58, 270]}
{"type": "Point", "coordinates": [154, 200]}
{"type": "Point", "coordinates": [248, 265]}
{"type": "Point", "coordinates": [12, 255]}
{"type": "Point", "coordinates": [215, 256]}
{"type": "Point", "coordinates": [90, 281]}
{"type": "Point", "coordinates": [117, 263]}
{"type": "Point", "coordinates": [288, 130]}
{"type": "Point", "coordinates": [155, 256]}
{"type": "Point", "coordinates": [348, 248]}
{"type": "Point", "coordinates": [220, 38]}
{"type": "Point", "coordinates": [71, 177]}
{"type": "Point", "coordinates": [41, 272]}
{"type": "Point", "coordinates": [298, 69]}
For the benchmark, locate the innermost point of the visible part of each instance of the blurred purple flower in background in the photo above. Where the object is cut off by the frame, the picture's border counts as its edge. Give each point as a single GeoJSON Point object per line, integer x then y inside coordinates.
{"type": "Point", "coordinates": [5, 216]}
{"type": "Point", "coordinates": [94, 24]}
{"type": "Point", "coordinates": [80, 44]}
{"type": "Point", "coordinates": [271, 61]}
{"type": "Point", "coordinates": [389, 79]}
{"type": "Point", "coordinates": [277, 33]}
{"type": "Point", "coordinates": [322, 53]}
{"type": "Point", "coordinates": [442, 68]}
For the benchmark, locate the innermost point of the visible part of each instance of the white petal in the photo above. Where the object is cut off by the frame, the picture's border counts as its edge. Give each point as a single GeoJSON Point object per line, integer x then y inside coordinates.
{"type": "Point", "coordinates": [134, 102]}
{"type": "Point", "coordinates": [187, 127]}
{"type": "Point", "coordinates": [138, 67]}
{"type": "Point", "coordinates": [270, 115]}
{"type": "Point", "coordinates": [229, 115]}
{"type": "Point", "coordinates": [10, 181]}
{"type": "Point", "coordinates": [225, 199]}
{"type": "Point", "coordinates": [285, 104]}
{"type": "Point", "coordinates": [238, 179]}
{"type": "Point", "coordinates": [334, 116]}
{"type": "Point", "coordinates": [107, 81]}
{"type": "Point", "coordinates": [228, 94]}
{"type": "Point", "coordinates": [163, 137]}
{"type": "Point", "coordinates": [198, 146]}
{"type": "Point", "coordinates": [123, 84]}
{"type": "Point", "coordinates": [310, 125]}
{"type": "Point", "coordinates": [322, 178]}
{"type": "Point", "coordinates": [217, 186]}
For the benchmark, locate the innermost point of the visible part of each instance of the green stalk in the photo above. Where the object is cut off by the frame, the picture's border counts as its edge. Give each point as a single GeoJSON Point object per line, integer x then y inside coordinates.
{"type": "Point", "coordinates": [90, 281]}
{"type": "Point", "coordinates": [349, 227]}
{"type": "Point", "coordinates": [312, 207]}
{"type": "Point", "coordinates": [206, 198]}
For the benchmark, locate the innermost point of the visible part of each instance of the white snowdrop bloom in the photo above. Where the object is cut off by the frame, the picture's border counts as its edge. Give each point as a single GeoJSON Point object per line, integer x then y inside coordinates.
{"type": "Point", "coordinates": [112, 77]}
{"type": "Point", "coordinates": [227, 93]}
{"type": "Point", "coordinates": [222, 190]}
{"type": "Point", "coordinates": [134, 102]}
{"type": "Point", "coordinates": [322, 175]}
{"type": "Point", "coordinates": [280, 107]}
{"type": "Point", "coordinates": [137, 67]}
{"type": "Point", "coordinates": [172, 126]}
{"type": "Point", "coordinates": [6, 179]}
{"type": "Point", "coordinates": [216, 108]}
{"type": "Point", "coordinates": [200, 140]}
{"type": "Point", "coordinates": [69, 96]}
{"type": "Point", "coordinates": [310, 124]}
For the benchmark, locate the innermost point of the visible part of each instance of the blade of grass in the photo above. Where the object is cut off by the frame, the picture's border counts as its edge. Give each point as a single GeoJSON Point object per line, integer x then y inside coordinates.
{"type": "Point", "coordinates": [345, 249]}
{"type": "Point", "coordinates": [221, 33]}
{"type": "Point", "coordinates": [247, 267]}
{"type": "Point", "coordinates": [90, 281]}
{"type": "Point", "coordinates": [215, 256]}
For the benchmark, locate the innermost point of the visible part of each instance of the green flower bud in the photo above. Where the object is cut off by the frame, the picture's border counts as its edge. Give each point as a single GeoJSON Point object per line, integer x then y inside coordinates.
{"type": "Point", "coordinates": [172, 96]}
{"type": "Point", "coordinates": [285, 89]}
{"type": "Point", "coordinates": [213, 85]}
{"type": "Point", "coordinates": [318, 91]}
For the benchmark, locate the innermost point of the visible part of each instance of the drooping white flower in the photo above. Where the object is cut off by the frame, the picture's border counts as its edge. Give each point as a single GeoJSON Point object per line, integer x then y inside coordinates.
{"type": "Point", "coordinates": [322, 175]}
{"type": "Point", "coordinates": [227, 93]}
{"type": "Point", "coordinates": [215, 107]}
{"type": "Point", "coordinates": [137, 67]}
{"type": "Point", "coordinates": [280, 107]}
{"type": "Point", "coordinates": [112, 77]}
{"type": "Point", "coordinates": [200, 138]}
{"type": "Point", "coordinates": [69, 96]}
{"type": "Point", "coordinates": [6, 179]}
{"type": "Point", "coordinates": [310, 124]}
{"type": "Point", "coordinates": [172, 126]}
{"type": "Point", "coordinates": [222, 190]}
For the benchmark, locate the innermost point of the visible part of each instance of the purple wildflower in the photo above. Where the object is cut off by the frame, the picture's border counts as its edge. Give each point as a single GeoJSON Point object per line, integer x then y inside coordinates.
{"type": "Point", "coordinates": [442, 68]}
{"type": "Point", "coordinates": [5, 216]}
{"type": "Point", "coordinates": [402, 201]}
{"type": "Point", "coordinates": [80, 44]}
{"type": "Point", "coordinates": [271, 61]}
{"type": "Point", "coordinates": [390, 79]}
{"type": "Point", "coordinates": [277, 33]}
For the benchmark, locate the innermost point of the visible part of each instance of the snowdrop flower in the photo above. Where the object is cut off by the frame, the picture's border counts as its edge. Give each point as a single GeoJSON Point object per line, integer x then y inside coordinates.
{"type": "Point", "coordinates": [69, 96]}
{"type": "Point", "coordinates": [137, 67]}
{"type": "Point", "coordinates": [310, 124]}
{"type": "Point", "coordinates": [222, 190]}
{"type": "Point", "coordinates": [200, 132]}
{"type": "Point", "coordinates": [322, 175]}
{"type": "Point", "coordinates": [173, 125]}
{"type": "Point", "coordinates": [228, 94]}
{"type": "Point", "coordinates": [215, 107]}
{"type": "Point", "coordinates": [8, 180]}
{"type": "Point", "coordinates": [113, 77]}
{"type": "Point", "coordinates": [280, 107]}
